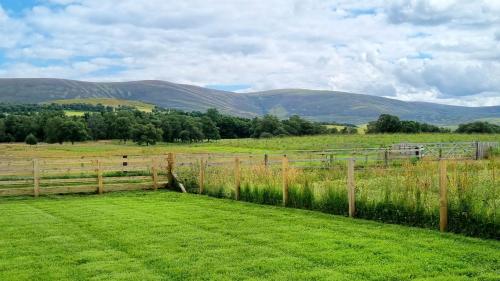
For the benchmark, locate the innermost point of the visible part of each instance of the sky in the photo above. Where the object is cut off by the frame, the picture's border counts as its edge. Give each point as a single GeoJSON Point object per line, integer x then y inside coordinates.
{"type": "Point", "coordinates": [445, 51]}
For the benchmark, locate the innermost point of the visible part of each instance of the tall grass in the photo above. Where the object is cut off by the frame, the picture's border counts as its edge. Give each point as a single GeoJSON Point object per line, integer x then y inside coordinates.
{"type": "Point", "coordinates": [406, 192]}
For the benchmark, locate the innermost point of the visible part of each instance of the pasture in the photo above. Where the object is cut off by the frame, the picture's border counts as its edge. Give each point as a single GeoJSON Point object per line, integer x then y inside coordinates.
{"type": "Point", "coordinates": [257, 146]}
{"type": "Point", "coordinates": [170, 236]}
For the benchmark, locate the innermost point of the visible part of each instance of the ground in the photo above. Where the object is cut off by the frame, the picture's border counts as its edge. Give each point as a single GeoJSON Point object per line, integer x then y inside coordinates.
{"type": "Point", "coordinates": [170, 236]}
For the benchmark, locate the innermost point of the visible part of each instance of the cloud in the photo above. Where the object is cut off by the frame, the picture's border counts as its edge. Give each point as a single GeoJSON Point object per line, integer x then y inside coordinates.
{"type": "Point", "coordinates": [435, 12]}
{"type": "Point", "coordinates": [442, 51]}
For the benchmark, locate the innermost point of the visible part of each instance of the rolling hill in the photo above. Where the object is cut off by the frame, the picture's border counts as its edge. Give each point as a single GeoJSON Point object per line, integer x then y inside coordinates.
{"type": "Point", "coordinates": [314, 105]}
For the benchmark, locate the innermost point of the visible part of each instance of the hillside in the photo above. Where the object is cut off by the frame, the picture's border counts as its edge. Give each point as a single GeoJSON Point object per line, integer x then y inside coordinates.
{"type": "Point", "coordinates": [315, 105]}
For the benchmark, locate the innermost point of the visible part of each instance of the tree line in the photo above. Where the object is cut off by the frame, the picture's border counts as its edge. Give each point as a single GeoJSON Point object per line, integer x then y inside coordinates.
{"type": "Point", "coordinates": [387, 123]}
{"type": "Point", "coordinates": [49, 123]}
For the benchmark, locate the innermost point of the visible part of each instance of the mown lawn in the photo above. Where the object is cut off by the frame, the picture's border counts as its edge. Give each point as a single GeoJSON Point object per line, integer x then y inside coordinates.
{"type": "Point", "coordinates": [170, 236]}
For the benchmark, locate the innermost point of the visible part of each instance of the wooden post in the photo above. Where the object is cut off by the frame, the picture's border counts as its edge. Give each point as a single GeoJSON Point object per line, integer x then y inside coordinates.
{"type": "Point", "coordinates": [170, 169]}
{"type": "Point", "coordinates": [443, 199]}
{"type": "Point", "coordinates": [266, 161]}
{"type": "Point", "coordinates": [285, 180]}
{"type": "Point", "coordinates": [478, 152]}
{"type": "Point", "coordinates": [125, 163]}
{"type": "Point", "coordinates": [237, 178]}
{"type": "Point", "coordinates": [154, 173]}
{"type": "Point", "coordinates": [36, 178]}
{"type": "Point", "coordinates": [386, 158]}
{"type": "Point", "coordinates": [351, 183]}
{"type": "Point", "coordinates": [202, 176]}
{"type": "Point", "coordinates": [100, 182]}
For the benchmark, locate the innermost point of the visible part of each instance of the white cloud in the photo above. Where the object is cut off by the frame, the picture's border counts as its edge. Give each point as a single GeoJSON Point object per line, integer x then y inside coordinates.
{"type": "Point", "coordinates": [445, 51]}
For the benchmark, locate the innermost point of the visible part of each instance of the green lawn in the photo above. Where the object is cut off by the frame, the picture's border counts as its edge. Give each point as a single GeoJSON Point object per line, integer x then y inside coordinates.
{"type": "Point", "coordinates": [170, 236]}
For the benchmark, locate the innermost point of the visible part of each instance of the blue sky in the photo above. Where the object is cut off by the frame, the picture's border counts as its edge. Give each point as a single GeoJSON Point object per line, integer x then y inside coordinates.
{"type": "Point", "coordinates": [442, 51]}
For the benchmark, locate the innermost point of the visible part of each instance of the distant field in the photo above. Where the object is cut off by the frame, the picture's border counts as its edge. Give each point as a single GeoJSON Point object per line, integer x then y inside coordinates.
{"type": "Point", "coordinates": [103, 148]}
{"type": "Point", "coordinates": [170, 236]}
{"type": "Point", "coordinates": [74, 113]}
{"type": "Point", "coordinates": [491, 120]}
{"type": "Point", "coordinates": [109, 102]}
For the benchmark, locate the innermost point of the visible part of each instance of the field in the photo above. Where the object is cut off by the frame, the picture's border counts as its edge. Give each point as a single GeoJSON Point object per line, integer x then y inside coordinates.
{"type": "Point", "coordinates": [107, 148]}
{"type": "Point", "coordinates": [170, 236]}
{"type": "Point", "coordinates": [146, 107]}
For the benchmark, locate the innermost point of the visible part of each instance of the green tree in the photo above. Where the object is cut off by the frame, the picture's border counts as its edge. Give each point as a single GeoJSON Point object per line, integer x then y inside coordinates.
{"type": "Point", "coordinates": [97, 126]}
{"type": "Point", "coordinates": [209, 129]}
{"type": "Point", "coordinates": [3, 134]}
{"type": "Point", "coordinates": [385, 124]}
{"type": "Point", "coordinates": [53, 130]}
{"type": "Point", "coordinates": [31, 139]}
{"type": "Point", "coordinates": [146, 134]}
{"type": "Point", "coordinates": [478, 127]}
{"type": "Point", "coordinates": [268, 124]}
{"type": "Point", "coordinates": [123, 128]}
{"type": "Point", "coordinates": [74, 131]}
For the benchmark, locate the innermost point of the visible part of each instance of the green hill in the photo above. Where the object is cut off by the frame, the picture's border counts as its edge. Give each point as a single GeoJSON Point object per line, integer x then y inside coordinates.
{"type": "Point", "coordinates": [315, 105]}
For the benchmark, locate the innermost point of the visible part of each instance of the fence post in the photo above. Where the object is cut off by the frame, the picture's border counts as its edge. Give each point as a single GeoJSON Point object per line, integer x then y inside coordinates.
{"type": "Point", "coordinates": [170, 169]}
{"type": "Point", "coordinates": [100, 183]}
{"type": "Point", "coordinates": [237, 178]}
{"type": "Point", "coordinates": [36, 178]}
{"type": "Point", "coordinates": [285, 180]}
{"type": "Point", "coordinates": [266, 161]}
{"type": "Point", "coordinates": [124, 163]}
{"type": "Point", "coordinates": [493, 181]}
{"type": "Point", "coordinates": [478, 152]}
{"type": "Point", "coordinates": [386, 158]}
{"type": "Point", "coordinates": [443, 199]}
{"type": "Point", "coordinates": [202, 176]}
{"type": "Point", "coordinates": [351, 195]}
{"type": "Point", "coordinates": [154, 173]}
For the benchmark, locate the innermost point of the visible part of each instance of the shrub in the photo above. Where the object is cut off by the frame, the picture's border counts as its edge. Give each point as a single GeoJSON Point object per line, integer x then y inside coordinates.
{"type": "Point", "coordinates": [31, 139]}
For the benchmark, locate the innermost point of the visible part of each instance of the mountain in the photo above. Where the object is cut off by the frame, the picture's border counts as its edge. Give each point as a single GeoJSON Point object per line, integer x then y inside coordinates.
{"type": "Point", "coordinates": [314, 105]}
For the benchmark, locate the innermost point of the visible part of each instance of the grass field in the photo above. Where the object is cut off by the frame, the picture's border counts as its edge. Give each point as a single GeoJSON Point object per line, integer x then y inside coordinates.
{"type": "Point", "coordinates": [106, 148]}
{"type": "Point", "coordinates": [170, 236]}
{"type": "Point", "coordinates": [146, 107]}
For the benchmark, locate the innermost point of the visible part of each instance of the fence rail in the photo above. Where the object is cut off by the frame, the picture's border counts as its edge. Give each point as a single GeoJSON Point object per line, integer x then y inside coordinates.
{"type": "Point", "coordinates": [198, 173]}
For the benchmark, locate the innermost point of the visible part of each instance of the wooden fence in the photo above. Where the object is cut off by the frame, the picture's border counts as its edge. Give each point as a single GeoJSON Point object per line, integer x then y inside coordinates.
{"type": "Point", "coordinates": [84, 175]}
{"type": "Point", "coordinates": [35, 177]}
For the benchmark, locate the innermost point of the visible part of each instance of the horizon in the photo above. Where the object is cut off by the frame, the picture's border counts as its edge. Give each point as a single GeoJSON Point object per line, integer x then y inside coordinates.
{"type": "Point", "coordinates": [441, 52]}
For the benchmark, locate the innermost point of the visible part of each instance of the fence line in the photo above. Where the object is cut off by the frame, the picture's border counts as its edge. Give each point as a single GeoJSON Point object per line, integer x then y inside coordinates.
{"type": "Point", "coordinates": [61, 176]}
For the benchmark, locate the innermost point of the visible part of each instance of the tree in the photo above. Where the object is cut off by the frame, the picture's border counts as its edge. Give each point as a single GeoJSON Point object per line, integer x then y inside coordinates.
{"type": "Point", "coordinates": [193, 127]}
{"type": "Point", "coordinates": [123, 128]}
{"type": "Point", "coordinates": [387, 124]}
{"type": "Point", "coordinates": [348, 130]}
{"type": "Point", "coordinates": [214, 115]}
{"type": "Point", "coordinates": [19, 126]}
{"type": "Point", "coordinates": [53, 130]}
{"type": "Point", "coordinates": [74, 131]}
{"type": "Point", "coordinates": [97, 126]}
{"type": "Point", "coordinates": [31, 139]}
{"type": "Point", "coordinates": [478, 127]}
{"type": "Point", "coordinates": [3, 134]}
{"type": "Point", "coordinates": [268, 124]}
{"type": "Point", "coordinates": [146, 134]}
{"type": "Point", "coordinates": [209, 129]}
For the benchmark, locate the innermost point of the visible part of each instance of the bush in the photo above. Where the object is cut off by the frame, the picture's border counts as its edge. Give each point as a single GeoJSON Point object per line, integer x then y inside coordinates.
{"type": "Point", "coordinates": [31, 139]}
{"type": "Point", "coordinates": [266, 135]}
